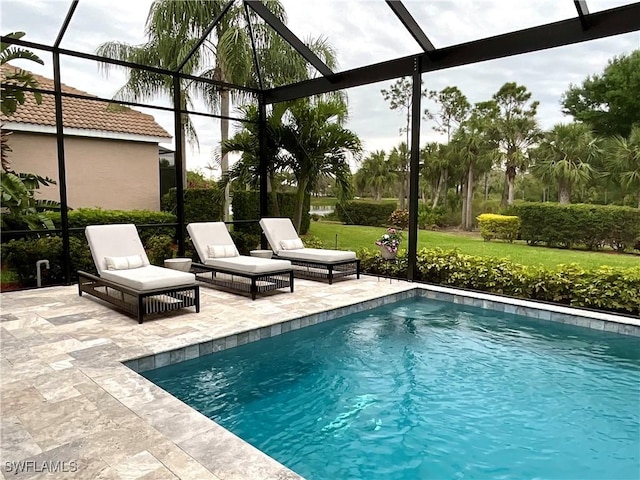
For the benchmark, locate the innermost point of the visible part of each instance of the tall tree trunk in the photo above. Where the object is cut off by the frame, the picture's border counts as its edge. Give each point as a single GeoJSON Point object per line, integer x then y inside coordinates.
{"type": "Point", "coordinates": [406, 191]}
{"type": "Point", "coordinates": [638, 198]}
{"type": "Point", "coordinates": [511, 184]}
{"type": "Point", "coordinates": [297, 216]}
{"type": "Point", "coordinates": [271, 192]}
{"type": "Point", "coordinates": [463, 217]}
{"type": "Point", "coordinates": [564, 194]}
{"type": "Point", "coordinates": [401, 193]}
{"type": "Point", "coordinates": [225, 104]}
{"type": "Point", "coordinates": [486, 186]}
{"type": "Point", "coordinates": [445, 185]}
{"type": "Point", "coordinates": [469, 216]}
{"type": "Point", "coordinates": [436, 196]}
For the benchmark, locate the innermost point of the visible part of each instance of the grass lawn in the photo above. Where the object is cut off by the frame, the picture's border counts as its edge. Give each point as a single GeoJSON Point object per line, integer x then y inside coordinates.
{"type": "Point", "coordinates": [354, 237]}
{"type": "Point", "coordinates": [331, 201]}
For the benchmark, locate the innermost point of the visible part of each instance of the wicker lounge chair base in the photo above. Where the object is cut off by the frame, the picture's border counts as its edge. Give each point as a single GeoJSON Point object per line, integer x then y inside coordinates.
{"type": "Point", "coordinates": [138, 302]}
{"type": "Point", "coordinates": [245, 282]}
{"type": "Point", "coordinates": [324, 271]}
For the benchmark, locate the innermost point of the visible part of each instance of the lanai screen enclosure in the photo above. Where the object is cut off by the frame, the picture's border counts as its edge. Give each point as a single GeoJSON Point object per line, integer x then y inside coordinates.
{"type": "Point", "coordinates": [583, 27]}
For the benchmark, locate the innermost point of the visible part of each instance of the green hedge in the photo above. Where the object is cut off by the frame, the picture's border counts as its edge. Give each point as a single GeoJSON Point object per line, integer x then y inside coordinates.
{"type": "Point", "coordinates": [246, 206]}
{"type": "Point", "coordinates": [593, 226]}
{"type": "Point", "coordinates": [200, 204]}
{"type": "Point", "coordinates": [605, 288]}
{"type": "Point", "coordinates": [504, 227]}
{"type": "Point", "coordinates": [374, 214]}
{"type": "Point", "coordinates": [82, 217]}
{"type": "Point", "coordinates": [21, 257]}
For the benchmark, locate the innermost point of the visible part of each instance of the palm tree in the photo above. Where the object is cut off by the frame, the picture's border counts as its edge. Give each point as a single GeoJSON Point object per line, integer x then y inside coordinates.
{"type": "Point", "coordinates": [144, 85]}
{"type": "Point", "coordinates": [565, 156]}
{"type": "Point", "coordinates": [399, 165]}
{"type": "Point", "coordinates": [226, 55]}
{"type": "Point", "coordinates": [624, 161]}
{"type": "Point", "coordinates": [317, 145]}
{"type": "Point", "coordinates": [246, 141]}
{"type": "Point", "coordinates": [374, 174]}
{"type": "Point", "coordinates": [14, 81]}
{"type": "Point", "coordinates": [18, 190]}
{"type": "Point", "coordinates": [516, 130]}
{"type": "Point", "coordinates": [435, 158]}
{"type": "Point", "coordinates": [476, 151]}
{"type": "Point", "coordinates": [306, 138]}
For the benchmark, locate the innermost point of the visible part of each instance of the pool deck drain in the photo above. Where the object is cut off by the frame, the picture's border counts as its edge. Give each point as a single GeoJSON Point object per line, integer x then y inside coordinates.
{"type": "Point", "coordinates": [68, 402]}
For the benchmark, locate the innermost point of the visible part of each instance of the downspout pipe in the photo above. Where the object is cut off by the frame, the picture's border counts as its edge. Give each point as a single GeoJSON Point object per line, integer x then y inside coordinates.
{"type": "Point", "coordinates": [39, 264]}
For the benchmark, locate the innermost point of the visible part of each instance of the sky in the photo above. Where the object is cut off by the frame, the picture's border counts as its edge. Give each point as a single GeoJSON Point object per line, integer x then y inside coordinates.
{"type": "Point", "coordinates": [362, 32]}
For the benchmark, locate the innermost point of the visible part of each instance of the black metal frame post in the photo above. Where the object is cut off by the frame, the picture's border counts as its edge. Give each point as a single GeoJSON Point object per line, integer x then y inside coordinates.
{"type": "Point", "coordinates": [414, 169]}
{"type": "Point", "coordinates": [179, 162]}
{"type": "Point", "coordinates": [62, 171]}
{"type": "Point", "coordinates": [264, 162]}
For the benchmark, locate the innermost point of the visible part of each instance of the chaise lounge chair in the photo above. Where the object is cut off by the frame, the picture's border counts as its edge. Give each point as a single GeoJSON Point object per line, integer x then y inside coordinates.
{"type": "Point", "coordinates": [311, 263]}
{"type": "Point", "coordinates": [222, 265]}
{"type": "Point", "coordinates": [128, 281]}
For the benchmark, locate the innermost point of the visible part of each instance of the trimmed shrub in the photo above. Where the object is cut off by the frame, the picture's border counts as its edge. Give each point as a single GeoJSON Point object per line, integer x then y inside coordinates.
{"type": "Point", "coordinates": [431, 217]}
{"type": "Point", "coordinates": [605, 288]}
{"type": "Point", "coordinates": [200, 204]}
{"type": "Point", "coordinates": [159, 248]}
{"type": "Point", "coordinates": [21, 257]}
{"type": "Point", "coordinates": [246, 206]}
{"type": "Point", "coordinates": [504, 227]}
{"type": "Point", "coordinates": [311, 241]}
{"type": "Point", "coordinates": [245, 241]}
{"type": "Point", "coordinates": [82, 217]}
{"type": "Point", "coordinates": [400, 219]}
{"type": "Point", "coordinates": [593, 226]}
{"type": "Point", "coordinates": [374, 214]}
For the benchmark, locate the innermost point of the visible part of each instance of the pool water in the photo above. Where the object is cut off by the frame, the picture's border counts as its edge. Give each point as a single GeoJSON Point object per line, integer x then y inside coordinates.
{"type": "Point", "coordinates": [426, 389]}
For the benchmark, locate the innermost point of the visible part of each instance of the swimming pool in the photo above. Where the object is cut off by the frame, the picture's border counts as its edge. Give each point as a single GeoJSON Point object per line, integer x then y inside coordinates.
{"type": "Point", "coordinates": [428, 389]}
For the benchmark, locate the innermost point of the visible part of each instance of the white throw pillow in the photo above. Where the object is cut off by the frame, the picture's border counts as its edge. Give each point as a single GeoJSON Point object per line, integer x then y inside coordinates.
{"type": "Point", "coordinates": [124, 263]}
{"type": "Point", "coordinates": [222, 251]}
{"type": "Point", "coordinates": [295, 244]}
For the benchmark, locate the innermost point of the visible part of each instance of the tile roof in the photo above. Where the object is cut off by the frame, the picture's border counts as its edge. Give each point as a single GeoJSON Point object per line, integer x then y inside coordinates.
{"type": "Point", "coordinates": [84, 114]}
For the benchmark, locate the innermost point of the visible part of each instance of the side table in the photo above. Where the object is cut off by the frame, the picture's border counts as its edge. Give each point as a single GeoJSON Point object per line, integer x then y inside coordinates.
{"type": "Point", "coordinates": [182, 264]}
{"type": "Point", "coordinates": [261, 253]}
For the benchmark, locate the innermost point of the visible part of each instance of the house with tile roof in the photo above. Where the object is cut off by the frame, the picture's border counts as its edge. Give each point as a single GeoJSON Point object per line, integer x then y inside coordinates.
{"type": "Point", "coordinates": [111, 151]}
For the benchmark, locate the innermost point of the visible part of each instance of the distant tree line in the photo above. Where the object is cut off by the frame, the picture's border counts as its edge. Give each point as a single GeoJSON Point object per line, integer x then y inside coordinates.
{"type": "Point", "coordinates": [593, 159]}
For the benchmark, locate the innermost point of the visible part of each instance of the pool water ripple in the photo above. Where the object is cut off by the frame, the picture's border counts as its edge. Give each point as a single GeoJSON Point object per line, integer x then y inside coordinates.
{"type": "Point", "coordinates": [424, 389]}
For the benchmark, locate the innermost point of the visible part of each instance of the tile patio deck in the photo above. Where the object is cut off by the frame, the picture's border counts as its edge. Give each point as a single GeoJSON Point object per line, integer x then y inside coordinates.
{"type": "Point", "coordinates": [65, 395]}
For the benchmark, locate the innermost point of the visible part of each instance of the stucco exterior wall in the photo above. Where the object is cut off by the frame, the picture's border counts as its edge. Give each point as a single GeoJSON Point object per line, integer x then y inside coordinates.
{"type": "Point", "coordinates": [112, 174]}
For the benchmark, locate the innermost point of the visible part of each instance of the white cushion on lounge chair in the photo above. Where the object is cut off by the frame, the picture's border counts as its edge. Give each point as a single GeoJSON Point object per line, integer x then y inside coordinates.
{"type": "Point", "coordinates": [120, 240]}
{"type": "Point", "coordinates": [246, 264]}
{"type": "Point", "coordinates": [278, 230]}
{"type": "Point", "coordinates": [222, 251]}
{"type": "Point", "coordinates": [149, 277]}
{"type": "Point", "coordinates": [318, 255]}
{"type": "Point", "coordinates": [294, 244]}
{"type": "Point", "coordinates": [204, 234]}
{"type": "Point", "coordinates": [124, 263]}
